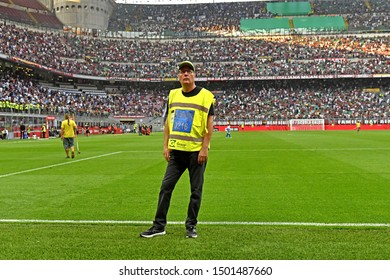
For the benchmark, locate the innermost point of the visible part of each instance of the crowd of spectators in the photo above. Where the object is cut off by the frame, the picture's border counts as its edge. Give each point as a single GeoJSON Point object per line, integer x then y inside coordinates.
{"type": "Point", "coordinates": [23, 95]}
{"type": "Point", "coordinates": [329, 100]}
{"type": "Point", "coordinates": [202, 18]}
{"type": "Point", "coordinates": [215, 58]}
{"type": "Point", "coordinates": [225, 17]}
{"type": "Point", "coordinates": [248, 101]}
{"type": "Point", "coordinates": [185, 19]}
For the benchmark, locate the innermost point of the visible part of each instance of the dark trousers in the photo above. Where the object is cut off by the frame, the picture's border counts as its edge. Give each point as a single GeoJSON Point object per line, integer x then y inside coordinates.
{"type": "Point", "coordinates": [178, 163]}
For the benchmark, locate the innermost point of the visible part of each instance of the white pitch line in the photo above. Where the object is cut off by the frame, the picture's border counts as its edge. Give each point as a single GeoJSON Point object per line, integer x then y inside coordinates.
{"type": "Point", "coordinates": [55, 165]}
{"type": "Point", "coordinates": [204, 223]}
{"type": "Point", "coordinates": [302, 224]}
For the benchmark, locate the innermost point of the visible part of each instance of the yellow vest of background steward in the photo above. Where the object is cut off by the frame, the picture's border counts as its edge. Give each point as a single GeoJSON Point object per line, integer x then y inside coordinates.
{"type": "Point", "coordinates": [187, 119]}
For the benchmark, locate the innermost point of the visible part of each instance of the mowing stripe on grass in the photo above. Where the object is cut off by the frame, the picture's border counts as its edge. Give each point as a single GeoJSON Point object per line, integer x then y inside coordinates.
{"type": "Point", "coordinates": [203, 223]}
{"type": "Point", "coordinates": [55, 165]}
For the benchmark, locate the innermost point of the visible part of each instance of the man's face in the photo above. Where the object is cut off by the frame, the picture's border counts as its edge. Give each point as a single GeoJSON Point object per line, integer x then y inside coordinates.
{"type": "Point", "coordinates": [186, 75]}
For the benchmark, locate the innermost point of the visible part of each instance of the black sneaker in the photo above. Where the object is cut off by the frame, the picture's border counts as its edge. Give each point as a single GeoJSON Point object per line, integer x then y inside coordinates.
{"type": "Point", "coordinates": [191, 232]}
{"type": "Point", "coordinates": [152, 232]}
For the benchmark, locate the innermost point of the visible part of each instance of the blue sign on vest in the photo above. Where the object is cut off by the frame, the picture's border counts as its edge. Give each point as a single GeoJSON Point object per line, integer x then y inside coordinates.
{"type": "Point", "coordinates": [183, 120]}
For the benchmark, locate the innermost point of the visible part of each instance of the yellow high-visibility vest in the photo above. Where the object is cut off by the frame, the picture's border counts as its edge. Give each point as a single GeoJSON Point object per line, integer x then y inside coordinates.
{"type": "Point", "coordinates": [187, 119]}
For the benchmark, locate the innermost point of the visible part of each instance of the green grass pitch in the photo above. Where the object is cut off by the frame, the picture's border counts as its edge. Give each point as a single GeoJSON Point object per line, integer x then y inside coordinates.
{"type": "Point", "coordinates": [267, 195]}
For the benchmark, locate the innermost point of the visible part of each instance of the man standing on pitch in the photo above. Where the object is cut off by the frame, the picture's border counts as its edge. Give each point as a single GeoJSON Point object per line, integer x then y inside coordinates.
{"type": "Point", "coordinates": [22, 130]}
{"type": "Point", "coordinates": [187, 134]}
{"type": "Point", "coordinates": [67, 134]}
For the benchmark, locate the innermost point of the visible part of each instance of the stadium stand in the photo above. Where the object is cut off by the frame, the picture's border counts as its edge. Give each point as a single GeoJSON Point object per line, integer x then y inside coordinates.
{"type": "Point", "coordinates": [256, 101]}
{"type": "Point", "coordinates": [47, 20]}
{"type": "Point", "coordinates": [31, 4]}
{"type": "Point", "coordinates": [31, 12]}
{"type": "Point", "coordinates": [221, 18]}
{"type": "Point", "coordinates": [264, 25]}
{"type": "Point", "coordinates": [320, 23]}
{"type": "Point", "coordinates": [289, 8]}
{"type": "Point", "coordinates": [15, 15]}
{"type": "Point", "coordinates": [336, 76]}
{"type": "Point", "coordinates": [257, 58]}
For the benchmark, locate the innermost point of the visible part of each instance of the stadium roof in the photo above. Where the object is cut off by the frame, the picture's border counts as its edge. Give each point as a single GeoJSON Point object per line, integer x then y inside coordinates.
{"type": "Point", "coordinates": [178, 2]}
